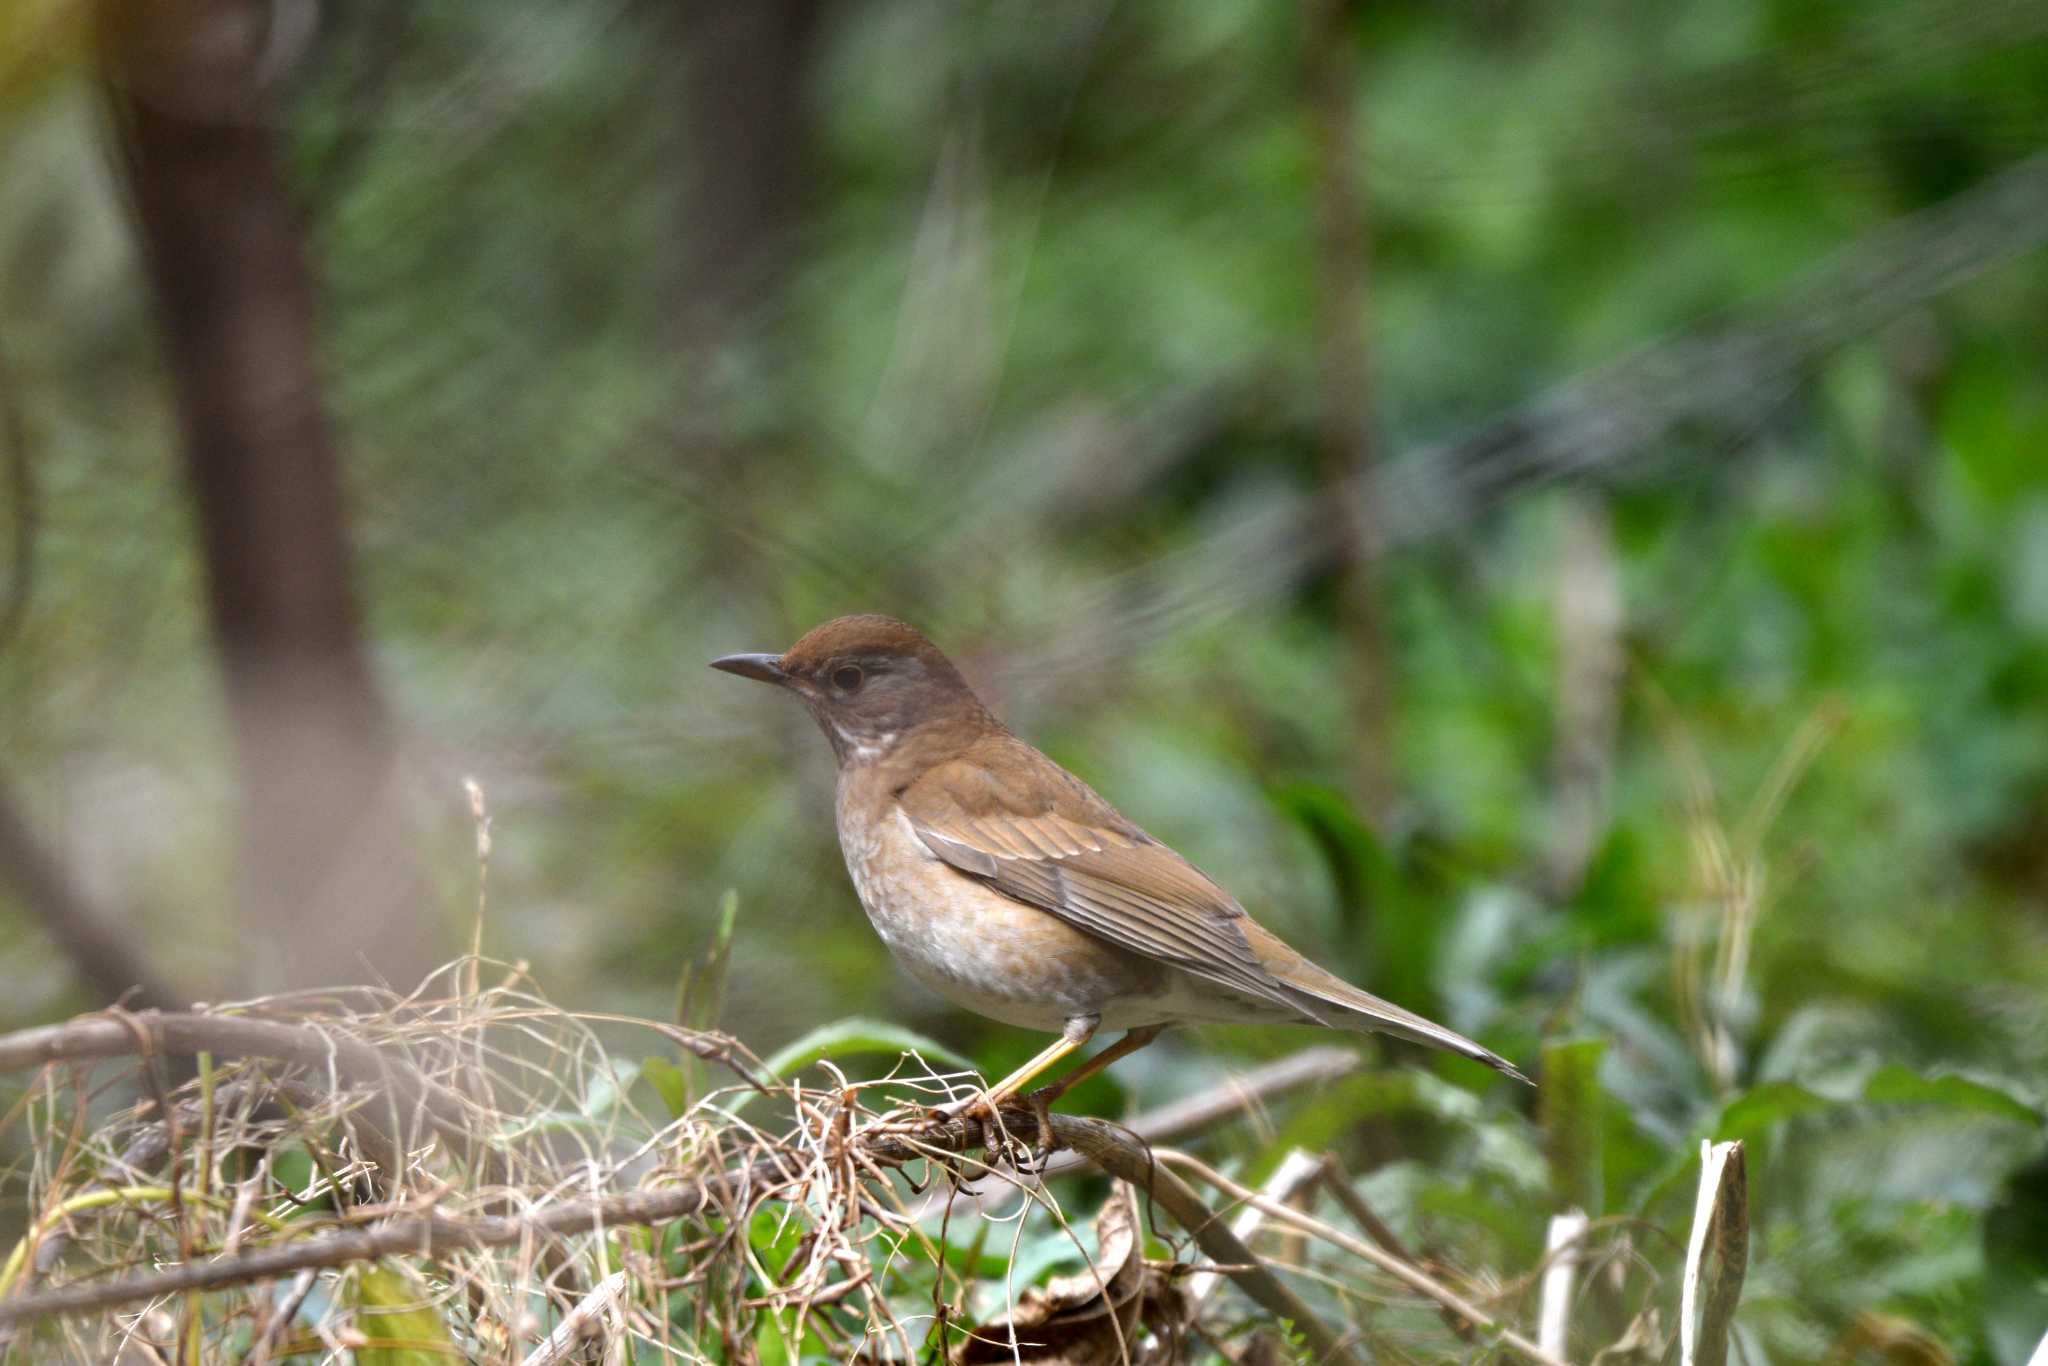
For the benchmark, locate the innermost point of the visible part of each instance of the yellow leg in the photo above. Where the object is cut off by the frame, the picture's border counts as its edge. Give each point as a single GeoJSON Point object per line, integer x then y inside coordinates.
{"type": "Point", "coordinates": [1079, 1030]}
{"type": "Point", "coordinates": [1122, 1048]}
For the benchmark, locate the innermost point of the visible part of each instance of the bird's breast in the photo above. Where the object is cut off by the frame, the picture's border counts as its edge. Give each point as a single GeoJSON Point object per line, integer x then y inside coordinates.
{"type": "Point", "coordinates": [977, 947]}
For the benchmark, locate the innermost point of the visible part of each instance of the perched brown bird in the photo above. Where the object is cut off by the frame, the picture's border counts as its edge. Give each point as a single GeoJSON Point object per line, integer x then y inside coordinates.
{"type": "Point", "coordinates": [1004, 883]}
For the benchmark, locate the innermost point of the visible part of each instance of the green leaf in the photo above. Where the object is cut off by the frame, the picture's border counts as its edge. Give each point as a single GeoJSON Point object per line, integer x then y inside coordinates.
{"type": "Point", "coordinates": [1371, 891]}
{"type": "Point", "coordinates": [1617, 900]}
{"type": "Point", "coordinates": [1757, 1109]}
{"type": "Point", "coordinates": [1570, 1104]}
{"type": "Point", "coordinates": [771, 1343]}
{"type": "Point", "coordinates": [1894, 1082]}
{"type": "Point", "coordinates": [2016, 1263]}
{"type": "Point", "coordinates": [700, 999]}
{"type": "Point", "coordinates": [669, 1083]}
{"type": "Point", "coordinates": [1751, 1114]}
{"type": "Point", "coordinates": [292, 1168]}
{"type": "Point", "coordinates": [855, 1036]}
{"type": "Point", "coordinates": [775, 1238]}
{"type": "Point", "coordinates": [398, 1326]}
{"type": "Point", "coordinates": [700, 994]}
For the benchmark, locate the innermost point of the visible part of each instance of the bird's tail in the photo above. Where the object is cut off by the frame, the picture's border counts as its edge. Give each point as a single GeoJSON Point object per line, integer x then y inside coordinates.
{"type": "Point", "coordinates": [1361, 1010]}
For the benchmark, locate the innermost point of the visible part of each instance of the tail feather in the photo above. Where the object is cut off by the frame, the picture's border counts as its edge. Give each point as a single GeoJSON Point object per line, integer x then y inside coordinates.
{"type": "Point", "coordinates": [1364, 1012]}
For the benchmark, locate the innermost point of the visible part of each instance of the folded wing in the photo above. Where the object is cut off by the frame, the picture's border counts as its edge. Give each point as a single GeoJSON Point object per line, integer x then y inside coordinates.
{"type": "Point", "coordinates": [1071, 854]}
{"type": "Point", "coordinates": [1053, 843]}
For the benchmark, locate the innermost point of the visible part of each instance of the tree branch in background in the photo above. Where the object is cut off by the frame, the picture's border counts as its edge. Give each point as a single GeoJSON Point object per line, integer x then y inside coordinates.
{"type": "Point", "coordinates": [21, 499]}
{"type": "Point", "coordinates": [1727, 374]}
{"type": "Point", "coordinates": [1345, 403]}
{"type": "Point", "coordinates": [1588, 616]}
{"type": "Point", "coordinates": [330, 885]}
{"type": "Point", "coordinates": [102, 952]}
{"type": "Point", "coordinates": [1408, 1274]}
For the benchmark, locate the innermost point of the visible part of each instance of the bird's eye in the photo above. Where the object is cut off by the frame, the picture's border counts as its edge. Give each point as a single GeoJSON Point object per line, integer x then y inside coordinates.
{"type": "Point", "coordinates": [848, 678]}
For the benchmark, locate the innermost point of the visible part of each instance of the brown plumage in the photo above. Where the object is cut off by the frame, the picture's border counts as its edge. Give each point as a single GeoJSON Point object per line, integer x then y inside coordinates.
{"type": "Point", "coordinates": [1005, 883]}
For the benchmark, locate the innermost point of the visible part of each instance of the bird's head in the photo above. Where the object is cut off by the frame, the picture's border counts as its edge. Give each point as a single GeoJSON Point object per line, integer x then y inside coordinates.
{"type": "Point", "coordinates": [871, 682]}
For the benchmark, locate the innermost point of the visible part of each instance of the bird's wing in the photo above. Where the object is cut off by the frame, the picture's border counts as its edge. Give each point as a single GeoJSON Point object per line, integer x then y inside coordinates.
{"type": "Point", "coordinates": [1044, 838]}
{"type": "Point", "coordinates": [1361, 1010]}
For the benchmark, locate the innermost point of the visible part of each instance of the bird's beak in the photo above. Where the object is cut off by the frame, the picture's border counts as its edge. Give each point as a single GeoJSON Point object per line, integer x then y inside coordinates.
{"type": "Point", "coordinates": [766, 668]}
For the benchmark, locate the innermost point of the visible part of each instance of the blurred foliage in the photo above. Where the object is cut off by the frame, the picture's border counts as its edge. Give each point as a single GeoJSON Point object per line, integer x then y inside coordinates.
{"type": "Point", "coordinates": [1038, 366]}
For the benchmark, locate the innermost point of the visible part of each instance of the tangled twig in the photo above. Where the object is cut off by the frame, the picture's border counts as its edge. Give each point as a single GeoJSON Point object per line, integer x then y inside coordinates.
{"type": "Point", "coordinates": [402, 1081]}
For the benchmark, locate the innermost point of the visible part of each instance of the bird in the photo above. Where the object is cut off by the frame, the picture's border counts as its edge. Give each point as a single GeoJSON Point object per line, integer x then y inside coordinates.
{"type": "Point", "coordinates": [1006, 885]}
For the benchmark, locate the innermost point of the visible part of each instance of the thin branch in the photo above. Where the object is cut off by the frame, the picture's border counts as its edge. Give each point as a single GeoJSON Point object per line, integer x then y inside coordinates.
{"type": "Point", "coordinates": [1413, 1277]}
{"type": "Point", "coordinates": [1316, 1066]}
{"type": "Point", "coordinates": [281, 1318]}
{"type": "Point", "coordinates": [1337, 1181]}
{"type": "Point", "coordinates": [103, 953]}
{"type": "Point", "coordinates": [425, 1235]}
{"type": "Point", "coordinates": [353, 1061]}
{"type": "Point", "coordinates": [1116, 1153]}
{"type": "Point", "coordinates": [1297, 1171]}
{"type": "Point", "coordinates": [1247, 1092]}
{"type": "Point", "coordinates": [888, 1142]}
{"type": "Point", "coordinates": [1343, 266]}
{"type": "Point", "coordinates": [580, 1324]}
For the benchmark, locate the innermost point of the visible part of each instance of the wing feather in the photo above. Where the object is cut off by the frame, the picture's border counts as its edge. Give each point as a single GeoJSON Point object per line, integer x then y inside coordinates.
{"type": "Point", "coordinates": [1058, 846]}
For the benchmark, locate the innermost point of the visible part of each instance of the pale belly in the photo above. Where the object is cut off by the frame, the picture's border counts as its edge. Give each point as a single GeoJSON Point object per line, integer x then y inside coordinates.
{"type": "Point", "coordinates": [992, 955]}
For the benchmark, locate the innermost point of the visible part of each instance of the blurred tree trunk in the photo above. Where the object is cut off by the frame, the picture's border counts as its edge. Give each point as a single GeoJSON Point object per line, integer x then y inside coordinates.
{"type": "Point", "coordinates": [749, 65]}
{"type": "Point", "coordinates": [329, 884]}
{"type": "Point", "coordinates": [1342, 259]}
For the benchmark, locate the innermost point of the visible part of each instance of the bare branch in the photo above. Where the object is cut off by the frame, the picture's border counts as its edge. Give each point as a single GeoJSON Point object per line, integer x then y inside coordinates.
{"type": "Point", "coordinates": [579, 1324]}
{"type": "Point", "coordinates": [1316, 1066]}
{"type": "Point", "coordinates": [889, 1141]}
{"type": "Point", "coordinates": [1297, 1171]}
{"type": "Point", "coordinates": [103, 953]}
{"type": "Point", "coordinates": [1412, 1276]}
{"type": "Point", "coordinates": [417, 1235]}
{"type": "Point", "coordinates": [1117, 1154]}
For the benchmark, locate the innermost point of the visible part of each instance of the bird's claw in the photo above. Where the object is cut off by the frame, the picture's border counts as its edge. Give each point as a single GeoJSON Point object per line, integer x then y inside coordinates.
{"type": "Point", "coordinates": [1040, 1102]}
{"type": "Point", "coordinates": [979, 1109]}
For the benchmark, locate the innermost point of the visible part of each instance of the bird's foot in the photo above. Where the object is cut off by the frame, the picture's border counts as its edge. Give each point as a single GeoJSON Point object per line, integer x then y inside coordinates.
{"type": "Point", "coordinates": [1033, 1158]}
{"type": "Point", "coordinates": [998, 1137]}
{"type": "Point", "coordinates": [1040, 1102]}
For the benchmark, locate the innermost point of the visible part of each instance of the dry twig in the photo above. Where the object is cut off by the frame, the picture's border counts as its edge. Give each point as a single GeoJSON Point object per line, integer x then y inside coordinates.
{"type": "Point", "coordinates": [458, 1175]}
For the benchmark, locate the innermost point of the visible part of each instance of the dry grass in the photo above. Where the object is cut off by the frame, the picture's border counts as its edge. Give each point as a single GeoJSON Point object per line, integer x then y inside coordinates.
{"type": "Point", "coordinates": [468, 1172]}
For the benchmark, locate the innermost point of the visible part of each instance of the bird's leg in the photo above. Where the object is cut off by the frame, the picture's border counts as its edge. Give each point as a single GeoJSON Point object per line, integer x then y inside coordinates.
{"type": "Point", "coordinates": [1041, 1110]}
{"type": "Point", "coordinates": [1122, 1048]}
{"type": "Point", "coordinates": [1080, 1029]}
